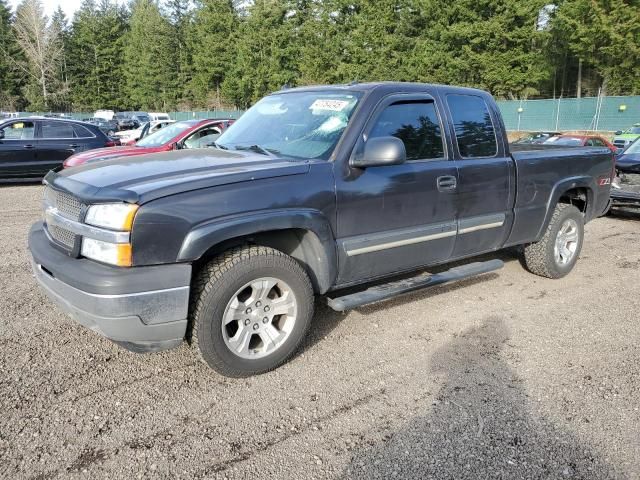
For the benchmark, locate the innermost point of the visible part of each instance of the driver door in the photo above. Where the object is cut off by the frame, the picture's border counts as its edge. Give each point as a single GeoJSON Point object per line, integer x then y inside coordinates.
{"type": "Point", "coordinates": [396, 218]}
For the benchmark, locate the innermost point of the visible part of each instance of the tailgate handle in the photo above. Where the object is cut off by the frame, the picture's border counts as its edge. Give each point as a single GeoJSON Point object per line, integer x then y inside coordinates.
{"type": "Point", "coordinates": [29, 146]}
{"type": "Point", "coordinates": [447, 183]}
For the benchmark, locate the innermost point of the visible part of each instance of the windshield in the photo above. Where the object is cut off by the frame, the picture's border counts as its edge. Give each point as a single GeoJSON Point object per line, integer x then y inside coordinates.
{"type": "Point", "coordinates": [164, 135]}
{"type": "Point", "coordinates": [142, 118]}
{"type": "Point", "coordinates": [298, 124]}
{"type": "Point", "coordinates": [569, 141]}
{"type": "Point", "coordinates": [634, 147]}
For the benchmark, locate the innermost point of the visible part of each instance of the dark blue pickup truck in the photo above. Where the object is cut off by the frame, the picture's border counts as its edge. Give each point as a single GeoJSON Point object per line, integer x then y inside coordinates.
{"type": "Point", "coordinates": [311, 191]}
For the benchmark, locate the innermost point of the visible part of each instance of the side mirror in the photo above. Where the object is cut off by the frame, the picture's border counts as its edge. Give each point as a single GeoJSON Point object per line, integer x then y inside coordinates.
{"type": "Point", "coordinates": [618, 132]}
{"type": "Point", "coordinates": [379, 152]}
{"type": "Point", "coordinates": [1, 134]}
{"type": "Point", "coordinates": [176, 146]}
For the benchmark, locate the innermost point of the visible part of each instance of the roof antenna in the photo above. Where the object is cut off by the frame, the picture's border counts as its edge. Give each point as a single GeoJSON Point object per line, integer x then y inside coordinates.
{"type": "Point", "coordinates": [286, 86]}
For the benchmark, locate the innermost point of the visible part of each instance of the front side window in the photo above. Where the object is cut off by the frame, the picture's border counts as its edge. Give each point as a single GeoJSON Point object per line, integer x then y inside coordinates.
{"type": "Point", "coordinates": [416, 123]}
{"type": "Point", "coordinates": [57, 130]}
{"type": "Point", "coordinates": [298, 125]}
{"type": "Point", "coordinates": [474, 129]}
{"type": "Point", "coordinates": [202, 138]}
{"type": "Point", "coordinates": [19, 131]}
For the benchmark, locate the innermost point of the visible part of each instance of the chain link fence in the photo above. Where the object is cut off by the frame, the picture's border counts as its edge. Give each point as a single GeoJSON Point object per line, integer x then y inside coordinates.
{"type": "Point", "coordinates": [591, 113]}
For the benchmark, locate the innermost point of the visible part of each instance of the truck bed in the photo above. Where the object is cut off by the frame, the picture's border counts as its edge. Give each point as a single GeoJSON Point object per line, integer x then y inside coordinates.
{"type": "Point", "coordinates": [538, 168]}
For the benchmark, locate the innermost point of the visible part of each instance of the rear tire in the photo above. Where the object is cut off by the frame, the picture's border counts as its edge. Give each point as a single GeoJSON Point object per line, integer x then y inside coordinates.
{"type": "Point", "coordinates": [250, 309]}
{"type": "Point", "coordinates": [557, 252]}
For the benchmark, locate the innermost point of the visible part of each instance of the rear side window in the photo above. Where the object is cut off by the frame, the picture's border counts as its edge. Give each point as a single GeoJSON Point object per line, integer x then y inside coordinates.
{"type": "Point", "coordinates": [416, 124]}
{"type": "Point", "coordinates": [19, 131]}
{"type": "Point", "coordinates": [474, 129]}
{"type": "Point", "coordinates": [57, 130]}
{"type": "Point", "coordinates": [82, 132]}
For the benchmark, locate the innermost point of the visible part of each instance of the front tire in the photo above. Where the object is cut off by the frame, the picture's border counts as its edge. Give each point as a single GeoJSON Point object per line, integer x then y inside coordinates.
{"type": "Point", "coordinates": [557, 252]}
{"type": "Point", "coordinates": [251, 307]}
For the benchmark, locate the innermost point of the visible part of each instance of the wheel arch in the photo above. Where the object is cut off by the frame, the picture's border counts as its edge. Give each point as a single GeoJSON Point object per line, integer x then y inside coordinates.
{"type": "Point", "coordinates": [577, 191]}
{"type": "Point", "coordinates": [301, 233]}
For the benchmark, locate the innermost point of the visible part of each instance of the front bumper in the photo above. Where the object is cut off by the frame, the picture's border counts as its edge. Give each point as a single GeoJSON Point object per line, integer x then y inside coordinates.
{"type": "Point", "coordinates": [141, 308]}
{"type": "Point", "coordinates": [622, 198]}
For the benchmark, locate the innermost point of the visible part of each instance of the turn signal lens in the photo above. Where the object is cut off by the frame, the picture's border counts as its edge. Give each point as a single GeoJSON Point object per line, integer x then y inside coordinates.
{"type": "Point", "coordinates": [118, 254]}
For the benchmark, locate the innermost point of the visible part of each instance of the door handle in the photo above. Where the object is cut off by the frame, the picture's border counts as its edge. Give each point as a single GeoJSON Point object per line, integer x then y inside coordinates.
{"type": "Point", "coordinates": [447, 183]}
{"type": "Point", "coordinates": [29, 146]}
{"type": "Point", "coordinates": [73, 145]}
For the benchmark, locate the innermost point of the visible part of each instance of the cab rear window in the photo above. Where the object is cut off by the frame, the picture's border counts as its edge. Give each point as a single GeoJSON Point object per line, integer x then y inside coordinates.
{"type": "Point", "coordinates": [474, 128]}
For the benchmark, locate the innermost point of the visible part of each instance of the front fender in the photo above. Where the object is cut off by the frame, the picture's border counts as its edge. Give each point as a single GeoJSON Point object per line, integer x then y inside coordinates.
{"type": "Point", "coordinates": [319, 250]}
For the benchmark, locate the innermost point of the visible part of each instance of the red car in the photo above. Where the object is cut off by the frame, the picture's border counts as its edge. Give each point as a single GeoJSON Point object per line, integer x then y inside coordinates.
{"type": "Point", "coordinates": [185, 134]}
{"type": "Point", "coordinates": [581, 141]}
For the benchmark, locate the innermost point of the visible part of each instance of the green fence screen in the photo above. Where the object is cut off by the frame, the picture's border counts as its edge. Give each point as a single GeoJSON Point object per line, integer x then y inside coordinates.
{"type": "Point", "coordinates": [591, 113]}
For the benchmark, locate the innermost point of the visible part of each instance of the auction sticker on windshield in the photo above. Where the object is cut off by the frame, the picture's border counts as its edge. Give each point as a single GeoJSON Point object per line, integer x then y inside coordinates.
{"type": "Point", "coordinates": [329, 104]}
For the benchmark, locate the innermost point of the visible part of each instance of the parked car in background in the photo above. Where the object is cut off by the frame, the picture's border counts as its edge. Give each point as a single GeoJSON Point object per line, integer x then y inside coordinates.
{"type": "Point", "coordinates": [569, 140]}
{"type": "Point", "coordinates": [535, 138]}
{"type": "Point", "coordinates": [624, 138]}
{"type": "Point", "coordinates": [159, 116]}
{"type": "Point", "coordinates": [109, 127]}
{"type": "Point", "coordinates": [125, 122]}
{"type": "Point", "coordinates": [128, 137]}
{"type": "Point", "coordinates": [30, 147]}
{"type": "Point", "coordinates": [176, 136]}
{"type": "Point", "coordinates": [625, 191]}
{"type": "Point", "coordinates": [140, 118]}
{"type": "Point", "coordinates": [104, 114]}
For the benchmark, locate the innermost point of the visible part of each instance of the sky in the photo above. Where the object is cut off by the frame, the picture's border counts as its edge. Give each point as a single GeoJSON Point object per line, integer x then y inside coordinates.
{"type": "Point", "coordinates": [68, 6]}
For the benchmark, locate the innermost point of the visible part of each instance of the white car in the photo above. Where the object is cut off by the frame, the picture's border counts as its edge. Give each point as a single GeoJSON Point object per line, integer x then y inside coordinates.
{"type": "Point", "coordinates": [104, 114]}
{"type": "Point", "coordinates": [142, 131]}
{"type": "Point", "coordinates": [159, 116]}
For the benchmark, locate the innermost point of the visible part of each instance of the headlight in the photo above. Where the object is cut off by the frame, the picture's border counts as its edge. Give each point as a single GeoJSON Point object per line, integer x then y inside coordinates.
{"type": "Point", "coordinates": [115, 216]}
{"type": "Point", "coordinates": [113, 253]}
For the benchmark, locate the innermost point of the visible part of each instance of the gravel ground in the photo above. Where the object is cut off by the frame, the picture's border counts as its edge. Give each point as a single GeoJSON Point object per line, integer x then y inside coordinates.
{"type": "Point", "coordinates": [502, 376]}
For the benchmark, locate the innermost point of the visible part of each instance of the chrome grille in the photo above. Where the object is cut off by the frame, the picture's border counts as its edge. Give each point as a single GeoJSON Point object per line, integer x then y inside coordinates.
{"type": "Point", "coordinates": [66, 204]}
{"type": "Point", "coordinates": [62, 236]}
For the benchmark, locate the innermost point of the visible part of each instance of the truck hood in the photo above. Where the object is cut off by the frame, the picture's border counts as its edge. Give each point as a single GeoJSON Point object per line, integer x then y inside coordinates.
{"type": "Point", "coordinates": [629, 163]}
{"type": "Point", "coordinates": [144, 178]}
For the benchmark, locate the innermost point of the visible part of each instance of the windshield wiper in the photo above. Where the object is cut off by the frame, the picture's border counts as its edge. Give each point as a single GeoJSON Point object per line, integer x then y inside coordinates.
{"type": "Point", "coordinates": [258, 149]}
{"type": "Point", "coordinates": [219, 145]}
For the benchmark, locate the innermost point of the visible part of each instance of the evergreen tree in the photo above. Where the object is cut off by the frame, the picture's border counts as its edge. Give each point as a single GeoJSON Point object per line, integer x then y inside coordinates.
{"type": "Point", "coordinates": [180, 18]}
{"type": "Point", "coordinates": [10, 55]}
{"type": "Point", "coordinates": [490, 44]}
{"type": "Point", "coordinates": [605, 36]}
{"type": "Point", "coordinates": [212, 47]}
{"type": "Point", "coordinates": [265, 51]}
{"type": "Point", "coordinates": [95, 56]}
{"type": "Point", "coordinates": [150, 82]}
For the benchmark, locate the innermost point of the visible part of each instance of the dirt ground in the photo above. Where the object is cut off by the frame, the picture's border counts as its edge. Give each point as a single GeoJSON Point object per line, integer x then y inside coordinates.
{"type": "Point", "coordinates": [503, 376]}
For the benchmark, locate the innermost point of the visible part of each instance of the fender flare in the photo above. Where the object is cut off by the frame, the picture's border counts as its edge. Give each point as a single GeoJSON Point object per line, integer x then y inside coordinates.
{"type": "Point", "coordinates": [563, 186]}
{"type": "Point", "coordinates": [318, 251]}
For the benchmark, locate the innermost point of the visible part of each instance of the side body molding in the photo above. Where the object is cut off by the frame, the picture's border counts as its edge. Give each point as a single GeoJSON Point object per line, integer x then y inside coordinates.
{"type": "Point", "coordinates": [317, 246]}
